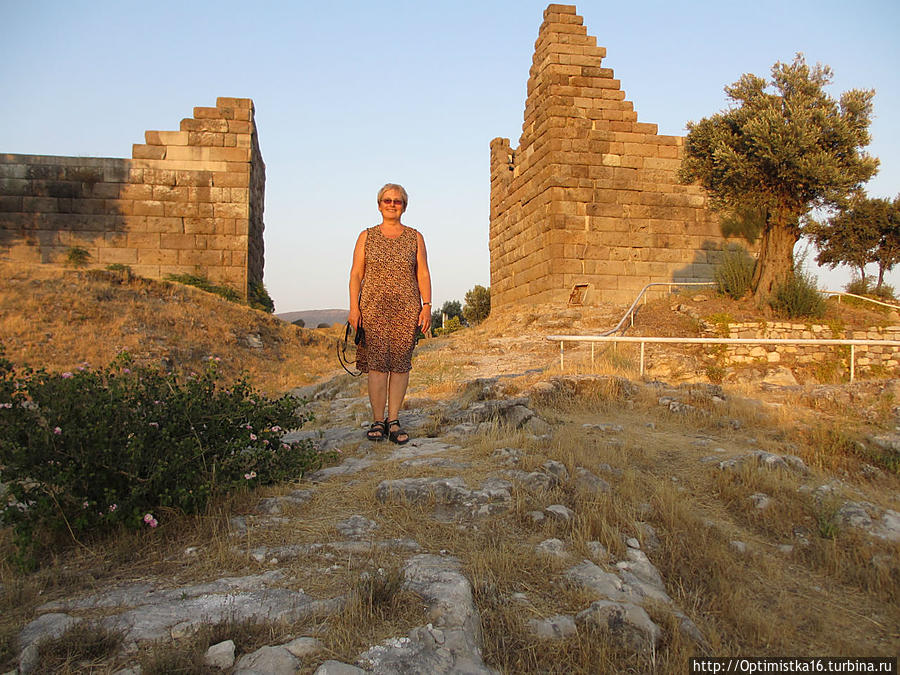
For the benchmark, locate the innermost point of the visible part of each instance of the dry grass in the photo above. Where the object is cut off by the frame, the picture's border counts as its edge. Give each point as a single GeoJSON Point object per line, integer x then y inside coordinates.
{"type": "Point", "coordinates": [838, 595]}
{"type": "Point", "coordinates": [59, 319]}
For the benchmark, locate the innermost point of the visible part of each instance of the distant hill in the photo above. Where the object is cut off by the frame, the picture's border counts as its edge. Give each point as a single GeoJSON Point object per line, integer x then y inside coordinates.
{"type": "Point", "coordinates": [313, 317]}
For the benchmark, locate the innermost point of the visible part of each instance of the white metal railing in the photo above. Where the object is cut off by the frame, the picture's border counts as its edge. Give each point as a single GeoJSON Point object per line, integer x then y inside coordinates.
{"type": "Point", "coordinates": [643, 340]}
{"type": "Point", "coordinates": [860, 297]}
{"type": "Point", "coordinates": [630, 312]}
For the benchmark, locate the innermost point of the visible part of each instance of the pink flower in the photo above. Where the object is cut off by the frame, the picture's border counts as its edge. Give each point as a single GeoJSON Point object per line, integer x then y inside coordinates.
{"type": "Point", "coordinates": [113, 507]}
{"type": "Point", "coordinates": [66, 375]}
{"type": "Point", "coordinates": [6, 405]}
{"type": "Point", "coordinates": [250, 475]}
{"type": "Point", "coordinates": [252, 437]}
{"type": "Point", "coordinates": [84, 505]}
{"type": "Point", "coordinates": [148, 518]}
{"type": "Point", "coordinates": [126, 370]}
{"type": "Point", "coordinates": [155, 425]}
{"type": "Point", "coordinates": [57, 431]}
{"type": "Point", "coordinates": [153, 523]}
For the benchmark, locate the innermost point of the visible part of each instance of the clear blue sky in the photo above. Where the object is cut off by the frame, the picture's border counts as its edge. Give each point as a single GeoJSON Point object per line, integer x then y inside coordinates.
{"type": "Point", "coordinates": [350, 95]}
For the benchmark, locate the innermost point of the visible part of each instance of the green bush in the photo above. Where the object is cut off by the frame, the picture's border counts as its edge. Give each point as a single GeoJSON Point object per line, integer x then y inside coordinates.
{"type": "Point", "coordinates": [88, 451]}
{"type": "Point", "coordinates": [259, 298]}
{"type": "Point", "coordinates": [798, 297]}
{"type": "Point", "coordinates": [886, 292]}
{"type": "Point", "coordinates": [859, 286]}
{"type": "Point", "coordinates": [451, 325]}
{"type": "Point", "coordinates": [204, 284]}
{"type": "Point", "coordinates": [733, 274]}
{"type": "Point", "coordinates": [77, 256]}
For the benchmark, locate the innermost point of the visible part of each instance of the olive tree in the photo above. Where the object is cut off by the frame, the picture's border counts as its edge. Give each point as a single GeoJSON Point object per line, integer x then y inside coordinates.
{"type": "Point", "coordinates": [478, 305]}
{"type": "Point", "coordinates": [866, 231]}
{"type": "Point", "coordinates": [783, 148]}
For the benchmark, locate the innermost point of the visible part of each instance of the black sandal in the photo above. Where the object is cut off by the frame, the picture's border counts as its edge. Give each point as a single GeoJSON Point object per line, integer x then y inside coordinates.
{"type": "Point", "coordinates": [377, 431]}
{"type": "Point", "coordinates": [395, 435]}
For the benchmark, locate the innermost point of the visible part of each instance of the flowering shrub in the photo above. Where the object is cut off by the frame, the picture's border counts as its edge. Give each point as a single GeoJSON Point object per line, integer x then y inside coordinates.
{"type": "Point", "coordinates": [84, 451]}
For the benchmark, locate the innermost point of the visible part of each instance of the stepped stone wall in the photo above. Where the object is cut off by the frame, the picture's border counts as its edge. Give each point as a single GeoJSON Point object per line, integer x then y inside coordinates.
{"type": "Point", "coordinates": [878, 359]}
{"type": "Point", "coordinates": [188, 201]}
{"type": "Point", "coordinates": [590, 196]}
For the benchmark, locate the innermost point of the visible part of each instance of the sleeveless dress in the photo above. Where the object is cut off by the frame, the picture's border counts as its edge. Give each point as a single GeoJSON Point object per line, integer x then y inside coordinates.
{"type": "Point", "coordinates": [389, 302]}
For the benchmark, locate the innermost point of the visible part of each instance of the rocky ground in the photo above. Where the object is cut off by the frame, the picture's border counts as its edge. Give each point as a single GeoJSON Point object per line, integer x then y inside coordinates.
{"type": "Point", "coordinates": [482, 464]}
{"type": "Point", "coordinates": [537, 521]}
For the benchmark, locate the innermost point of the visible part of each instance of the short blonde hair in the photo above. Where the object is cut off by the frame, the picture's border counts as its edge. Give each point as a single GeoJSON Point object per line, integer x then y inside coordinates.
{"type": "Point", "coordinates": [394, 186]}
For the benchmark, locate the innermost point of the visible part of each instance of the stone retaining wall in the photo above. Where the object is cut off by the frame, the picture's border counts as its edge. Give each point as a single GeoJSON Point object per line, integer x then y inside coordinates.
{"type": "Point", "coordinates": [188, 201]}
{"type": "Point", "coordinates": [590, 197]}
{"type": "Point", "coordinates": [867, 358]}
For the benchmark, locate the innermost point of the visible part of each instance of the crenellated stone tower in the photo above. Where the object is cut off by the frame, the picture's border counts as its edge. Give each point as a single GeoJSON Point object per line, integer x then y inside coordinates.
{"type": "Point", "coordinates": [590, 198]}
{"type": "Point", "coordinates": [188, 201]}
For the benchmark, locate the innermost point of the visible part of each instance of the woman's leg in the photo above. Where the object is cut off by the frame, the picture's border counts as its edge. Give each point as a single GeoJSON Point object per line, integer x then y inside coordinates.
{"type": "Point", "coordinates": [397, 385]}
{"type": "Point", "coordinates": [378, 394]}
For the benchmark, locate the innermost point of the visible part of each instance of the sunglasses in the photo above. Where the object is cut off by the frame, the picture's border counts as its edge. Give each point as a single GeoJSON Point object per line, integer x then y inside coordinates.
{"type": "Point", "coordinates": [395, 202]}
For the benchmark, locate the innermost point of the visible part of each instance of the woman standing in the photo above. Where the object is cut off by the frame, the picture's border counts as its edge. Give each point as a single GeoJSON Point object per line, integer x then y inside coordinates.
{"type": "Point", "coordinates": [390, 298]}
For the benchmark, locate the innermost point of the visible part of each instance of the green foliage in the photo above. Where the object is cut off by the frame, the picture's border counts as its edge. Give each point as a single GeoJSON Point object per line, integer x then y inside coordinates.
{"type": "Point", "coordinates": [858, 285]}
{"type": "Point", "coordinates": [478, 305]}
{"type": "Point", "coordinates": [299, 322]}
{"type": "Point", "coordinates": [452, 308]}
{"type": "Point", "coordinates": [722, 321]}
{"type": "Point", "coordinates": [204, 284]}
{"type": "Point", "coordinates": [450, 326]}
{"type": "Point", "coordinates": [885, 292]}
{"type": "Point", "coordinates": [119, 267]}
{"type": "Point", "coordinates": [781, 152]}
{"type": "Point", "coordinates": [91, 450]}
{"type": "Point", "coordinates": [733, 274]}
{"type": "Point", "coordinates": [77, 256]}
{"type": "Point", "coordinates": [798, 297]}
{"type": "Point", "coordinates": [258, 298]}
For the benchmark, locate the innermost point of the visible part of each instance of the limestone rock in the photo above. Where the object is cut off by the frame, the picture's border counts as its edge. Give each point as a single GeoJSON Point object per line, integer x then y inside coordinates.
{"type": "Point", "coordinates": [357, 527]}
{"type": "Point", "coordinates": [627, 623]}
{"type": "Point", "coordinates": [450, 642]}
{"type": "Point", "coordinates": [560, 512]}
{"type": "Point", "coordinates": [557, 469]}
{"type": "Point", "coordinates": [588, 482]}
{"type": "Point", "coordinates": [554, 547]}
{"type": "Point", "coordinates": [597, 550]}
{"type": "Point", "coordinates": [267, 661]}
{"type": "Point", "coordinates": [331, 667]}
{"type": "Point", "coordinates": [553, 627]}
{"type": "Point", "coordinates": [780, 377]}
{"type": "Point", "coordinates": [589, 576]}
{"type": "Point", "coordinates": [220, 655]}
{"type": "Point", "coordinates": [304, 646]}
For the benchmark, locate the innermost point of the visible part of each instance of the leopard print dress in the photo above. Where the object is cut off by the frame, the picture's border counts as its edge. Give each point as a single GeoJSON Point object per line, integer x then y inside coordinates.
{"type": "Point", "coordinates": [389, 302]}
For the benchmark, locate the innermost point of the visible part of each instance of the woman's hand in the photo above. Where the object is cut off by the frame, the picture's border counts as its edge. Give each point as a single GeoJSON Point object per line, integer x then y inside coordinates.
{"type": "Point", "coordinates": [354, 317]}
{"type": "Point", "coordinates": [425, 319]}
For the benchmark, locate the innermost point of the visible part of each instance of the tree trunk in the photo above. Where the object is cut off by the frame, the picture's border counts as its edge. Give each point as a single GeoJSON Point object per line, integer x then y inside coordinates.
{"type": "Point", "coordinates": [880, 277]}
{"type": "Point", "coordinates": [775, 263]}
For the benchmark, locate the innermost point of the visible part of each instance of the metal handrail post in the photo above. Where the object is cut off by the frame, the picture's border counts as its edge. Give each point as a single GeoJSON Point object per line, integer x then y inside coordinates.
{"type": "Point", "coordinates": [642, 358]}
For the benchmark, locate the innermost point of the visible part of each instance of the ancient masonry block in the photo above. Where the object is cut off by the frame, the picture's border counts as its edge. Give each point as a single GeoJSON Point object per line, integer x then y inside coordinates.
{"type": "Point", "coordinates": [188, 201]}
{"type": "Point", "coordinates": [590, 196]}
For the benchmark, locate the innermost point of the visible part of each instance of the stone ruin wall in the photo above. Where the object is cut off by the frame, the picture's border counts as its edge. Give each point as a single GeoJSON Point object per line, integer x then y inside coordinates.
{"type": "Point", "coordinates": [188, 201]}
{"type": "Point", "coordinates": [590, 196]}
